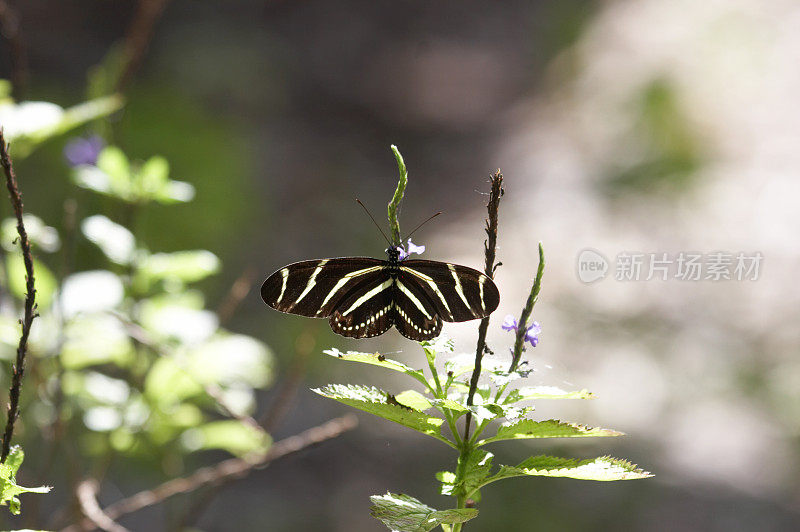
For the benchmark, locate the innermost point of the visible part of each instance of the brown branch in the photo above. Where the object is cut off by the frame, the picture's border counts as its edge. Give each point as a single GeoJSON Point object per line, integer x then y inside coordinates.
{"type": "Point", "coordinates": [231, 468]}
{"type": "Point", "coordinates": [18, 369]}
{"type": "Point", "coordinates": [9, 28]}
{"type": "Point", "coordinates": [138, 37]}
{"type": "Point", "coordinates": [87, 498]}
{"type": "Point", "coordinates": [490, 251]}
{"type": "Point", "coordinates": [239, 290]}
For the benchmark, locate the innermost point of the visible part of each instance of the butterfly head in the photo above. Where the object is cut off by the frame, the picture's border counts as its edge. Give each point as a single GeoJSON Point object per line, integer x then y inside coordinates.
{"type": "Point", "coordinates": [394, 253]}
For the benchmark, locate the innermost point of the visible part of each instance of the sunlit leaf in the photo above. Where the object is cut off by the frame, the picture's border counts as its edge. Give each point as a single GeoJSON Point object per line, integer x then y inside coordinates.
{"type": "Point", "coordinates": [231, 435]}
{"type": "Point", "coordinates": [90, 291]}
{"type": "Point", "coordinates": [9, 489]}
{"type": "Point", "coordinates": [44, 279]}
{"type": "Point", "coordinates": [114, 240]}
{"type": "Point", "coordinates": [404, 513]}
{"type": "Point", "coordinates": [545, 392]}
{"type": "Point", "coordinates": [178, 316]}
{"type": "Point", "coordinates": [413, 399]}
{"type": "Point", "coordinates": [376, 359]}
{"type": "Point", "coordinates": [42, 236]}
{"type": "Point", "coordinates": [375, 401]}
{"type": "Point", "coordinates": [604, 468]}
{"type": "Point", "coordinates": [184, 266]}
{"type": "Point", "coordinates": [551, 428]}
{"type": "Point", "coordinates": [94, 339]}
{"type": "Point", "coordinates": [113, 162]}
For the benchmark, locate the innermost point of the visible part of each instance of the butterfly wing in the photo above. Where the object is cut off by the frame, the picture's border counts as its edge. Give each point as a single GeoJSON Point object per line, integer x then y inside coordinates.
{"type": "Point", "coordinates": [415, 315]}
{"type": "Point", "coordinates": [457, 293]}
{"type": "Point", "coordinates": [314, 288]}
{"type": "Point", "coordinates": [367, 310]}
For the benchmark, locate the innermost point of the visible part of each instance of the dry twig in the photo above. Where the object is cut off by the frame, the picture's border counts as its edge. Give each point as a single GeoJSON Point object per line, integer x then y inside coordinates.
{"type": "Point", "coordinates": [18, 368]}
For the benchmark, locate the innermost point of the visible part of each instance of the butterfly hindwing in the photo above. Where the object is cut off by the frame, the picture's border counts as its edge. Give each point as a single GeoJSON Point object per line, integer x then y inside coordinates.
{"type": "Point", "coordinates": [457, 292]}
{"type": "Point", "coordinates": [416, 316]}
{"type": "Point", "coordinates": [366, 310]}
{"type": "Point", "coordinates": [315, 287]}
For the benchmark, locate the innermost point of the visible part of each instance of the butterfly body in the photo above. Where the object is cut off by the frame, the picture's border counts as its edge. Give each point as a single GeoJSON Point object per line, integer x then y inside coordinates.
{"type": "Point", "coordinates": [364, 297]}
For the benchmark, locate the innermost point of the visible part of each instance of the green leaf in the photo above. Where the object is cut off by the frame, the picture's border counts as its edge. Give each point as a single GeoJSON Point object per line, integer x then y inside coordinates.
{"type": "Point", "coordinates": [184, 266]}
{"type": "Point", "coordinates": [604, 468]}
{"type": "Point", "coordinates": [375, 401]}
{"type": "Point", "coordinates": [413, 399]}
{"type": "Point", "coordinates": [44, 280]}
{"type": "Point", "coordinates": [152, 177]}
{"type": "Point", "coordinates": [376, 359]}
{"type": "Point", "coordinates": [114, 240]}
{"type": "Point", "coordinates": [406, 514]}
{"type": "Point", "coordinates": [113, 162]}
{"type": "Point", "coordinates": [96, 339]}
{"type": "Point", "coordinates": [545, 392]}
{"type": "Point", "coordinates": [26, 124]}
{"type": "Point", "coordinates": [42, 236]}
{"type": "Point", "coordinates": [551, 428]}
{"type": "Point", "coordinates": [9, 489]}
{"type": "Point", "coordinates": [231, 435]}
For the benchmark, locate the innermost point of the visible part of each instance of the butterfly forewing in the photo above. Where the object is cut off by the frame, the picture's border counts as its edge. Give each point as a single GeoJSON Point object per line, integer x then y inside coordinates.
{"type": "Point", "coordinates": [457, 292]}
{"type": "Point", "coordinates": [314, 288]}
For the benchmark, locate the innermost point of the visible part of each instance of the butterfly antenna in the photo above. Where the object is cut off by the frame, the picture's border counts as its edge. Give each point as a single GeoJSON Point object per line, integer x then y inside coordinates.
{"type": "Point", "coordinates": [373, 221]}
{"type": "Point", "coordinates": [423, 223]}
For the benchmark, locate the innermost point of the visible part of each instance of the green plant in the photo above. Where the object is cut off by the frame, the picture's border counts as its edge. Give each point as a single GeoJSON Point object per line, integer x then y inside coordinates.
{"type": "Point", "coordinates": [451, 390]}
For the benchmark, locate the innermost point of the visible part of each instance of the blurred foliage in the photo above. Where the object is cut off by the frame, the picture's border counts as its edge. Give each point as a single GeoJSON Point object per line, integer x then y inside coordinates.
{"type": "Point", "coordinates": [128, 360]}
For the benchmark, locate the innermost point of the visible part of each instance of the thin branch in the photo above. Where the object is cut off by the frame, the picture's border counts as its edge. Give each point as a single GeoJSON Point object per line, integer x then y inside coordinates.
{"type": "Point", "coordinates": [87, 497]}
{"type": "Point", "coordinates": [304, 346]}
{"type": "Point", "coordinates": [9, 28]}
{"type": "Point", "coordinates": [18, 369]}
{"type": "Point", "coordinates": [138, 37]}
{"type": "Point", "coordinates": [231, 468]}
{"type": "Point", "coordinates": [239, 290]}
{"type": "Point", "coordinates": [490, 251]}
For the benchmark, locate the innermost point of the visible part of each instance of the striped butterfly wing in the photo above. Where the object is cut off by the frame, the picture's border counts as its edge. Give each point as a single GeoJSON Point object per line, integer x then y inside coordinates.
{"type": "Point", "coordinates": [367, 309]}
{"type": "Point", "coordinates": [415, 315]}
{"type": "Point", "coordinates": [314, 288]}
{"type": "Point", "coordinates": [457, 293]}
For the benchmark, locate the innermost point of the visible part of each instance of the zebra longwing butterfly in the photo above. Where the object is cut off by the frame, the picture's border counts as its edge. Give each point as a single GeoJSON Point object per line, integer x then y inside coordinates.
{"type": "Point", "coordinates": [363, 297]}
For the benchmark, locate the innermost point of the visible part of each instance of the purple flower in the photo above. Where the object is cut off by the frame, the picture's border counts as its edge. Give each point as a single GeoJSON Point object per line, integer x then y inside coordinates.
{"type": "Point", "coordinates": [531, 333]}
{"type": "Point", "coordinates": [412, 248]}
{"type": "Point", "coordinates": [81, 150]}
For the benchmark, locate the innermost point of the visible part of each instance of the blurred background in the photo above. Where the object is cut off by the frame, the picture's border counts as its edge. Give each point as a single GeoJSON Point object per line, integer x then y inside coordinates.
{"type": "Point", "coordinates": [622, 126]}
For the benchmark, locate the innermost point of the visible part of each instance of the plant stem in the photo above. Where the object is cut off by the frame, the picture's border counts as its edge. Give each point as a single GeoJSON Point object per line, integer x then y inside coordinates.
{"type": "Point", "coordinates": [394, 205]}
{"type": "Point", "coordinates": [490, 251]}
{"type": "Point", "coordinates": [18, 368]}
{"type": "Point", "coordinates": [519, 344]}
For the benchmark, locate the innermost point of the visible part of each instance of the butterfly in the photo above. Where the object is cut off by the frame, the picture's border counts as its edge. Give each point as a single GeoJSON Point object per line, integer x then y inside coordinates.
{"type": "Point", "coordinates": [364, 297]}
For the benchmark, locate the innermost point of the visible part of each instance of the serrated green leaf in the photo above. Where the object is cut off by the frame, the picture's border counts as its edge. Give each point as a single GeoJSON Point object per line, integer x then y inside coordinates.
{"type": "Point", "coordinates": [604, 468]}
{"type": "Point", "coordinates": [551, 428]}
{"type": "Point", "coordinates": [9, 489]}
{"type": "Point", "coordinates": [375, 401]}
{"type": "Point", "coordinates": [376, 359]}
{"type": "Point", "coordinates": [545, 392]}
{"type": "Point", "coordinates": [406, 514]}
{"type": "Point", "coordinates": [413, 399]}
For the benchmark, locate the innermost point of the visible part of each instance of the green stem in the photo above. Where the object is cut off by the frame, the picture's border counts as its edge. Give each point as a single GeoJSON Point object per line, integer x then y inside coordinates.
{"type": "Point", "coordinates": [519, 344]}
{"type": "Point", "coordinates": [394, 205]}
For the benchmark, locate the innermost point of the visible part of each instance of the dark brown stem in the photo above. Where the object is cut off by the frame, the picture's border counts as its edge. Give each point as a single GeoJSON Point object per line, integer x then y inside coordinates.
{"type": "Point", "coordinates": [227, 469]}
{"type": "Point", "coordinates": [9, 27]}
{"type": "Point", "coordinates": [239, 290]}
{"type": "Point", "coordinates": [490, 251]}
{"type": "Point", "coordinates": [138, 37]}
{"type": "Point", "coordinates": [18, 368]}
